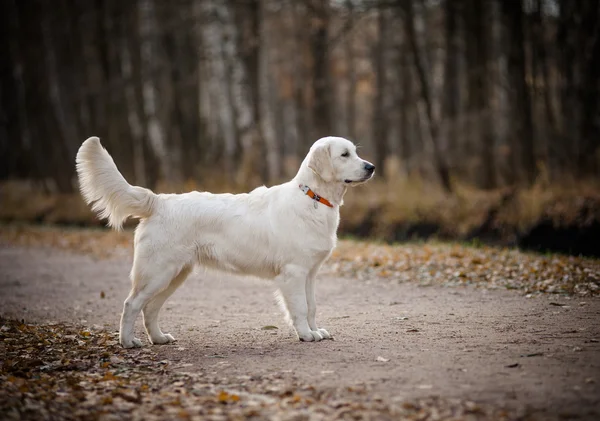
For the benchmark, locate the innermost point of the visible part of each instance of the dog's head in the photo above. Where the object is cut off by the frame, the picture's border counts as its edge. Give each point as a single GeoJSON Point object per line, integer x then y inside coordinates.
{"type": "Point", "coordinates": [334, 159]}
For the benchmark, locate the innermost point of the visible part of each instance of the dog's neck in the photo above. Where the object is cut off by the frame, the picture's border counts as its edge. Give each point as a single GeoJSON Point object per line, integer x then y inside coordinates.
{"type": "Point", "coordinates": [334, 192]}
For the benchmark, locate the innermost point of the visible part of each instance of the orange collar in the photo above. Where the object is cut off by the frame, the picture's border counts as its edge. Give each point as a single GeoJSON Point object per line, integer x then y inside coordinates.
{"type": "Point", "coordinates": [307, 191]}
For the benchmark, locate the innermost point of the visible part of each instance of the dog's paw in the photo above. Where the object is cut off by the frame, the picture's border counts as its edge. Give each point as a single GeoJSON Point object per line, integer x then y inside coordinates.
{"type": "Point", "coordinates": [311, 336]}
{"type": "Point", "coordinates": [164, 339]}
{"type": "Point", "coordinates": [133, 343]}
{"type": "Point", "coordinates": [325, 334]}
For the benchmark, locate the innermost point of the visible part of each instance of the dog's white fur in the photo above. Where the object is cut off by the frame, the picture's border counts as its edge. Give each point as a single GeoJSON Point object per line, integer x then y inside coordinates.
{"type": "Point", "coordinates": [277, 233]}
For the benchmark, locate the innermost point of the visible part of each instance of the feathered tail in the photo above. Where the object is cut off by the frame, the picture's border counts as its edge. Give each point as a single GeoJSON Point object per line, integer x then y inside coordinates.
{"type": "Point", "coordinates": [101, 182]}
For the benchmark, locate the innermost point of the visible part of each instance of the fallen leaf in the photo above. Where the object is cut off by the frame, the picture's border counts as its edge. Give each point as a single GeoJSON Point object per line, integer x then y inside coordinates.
{"type": "Point", "coordinates": [225, 397]}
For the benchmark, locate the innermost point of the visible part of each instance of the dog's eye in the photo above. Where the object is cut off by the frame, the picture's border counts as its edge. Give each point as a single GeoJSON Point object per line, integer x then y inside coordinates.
{"type": "Point", "coordinates": [346, 154]}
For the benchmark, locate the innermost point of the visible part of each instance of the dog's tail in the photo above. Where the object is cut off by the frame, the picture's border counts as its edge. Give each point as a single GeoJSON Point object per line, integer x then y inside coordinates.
{"type": "Point", "coordinates": [101, 182]}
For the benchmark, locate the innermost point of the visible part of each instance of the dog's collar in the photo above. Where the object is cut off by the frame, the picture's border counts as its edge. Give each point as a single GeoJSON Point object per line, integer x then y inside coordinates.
{"type": "Point", "coordinates": [307, 191]}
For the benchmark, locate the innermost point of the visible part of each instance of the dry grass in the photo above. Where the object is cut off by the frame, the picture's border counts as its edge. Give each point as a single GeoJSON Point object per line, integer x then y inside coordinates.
{"type": "Point", "coordinates": [413, 201]}
{"type": "Point", "coordinates": [377, 208]}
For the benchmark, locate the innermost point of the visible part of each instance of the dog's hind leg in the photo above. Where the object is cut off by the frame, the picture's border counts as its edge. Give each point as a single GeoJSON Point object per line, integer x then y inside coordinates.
{"type": "Point", "coordinates": [148, 281]}
{"type": "Point", "coordinates": [292, 288]}
{"type": "Point", "coordinates": [151, 310]}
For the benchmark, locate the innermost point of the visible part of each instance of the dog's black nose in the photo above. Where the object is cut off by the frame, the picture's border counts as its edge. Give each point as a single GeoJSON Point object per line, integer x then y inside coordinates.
{"type": "Point", "coordinates": [369, 167]}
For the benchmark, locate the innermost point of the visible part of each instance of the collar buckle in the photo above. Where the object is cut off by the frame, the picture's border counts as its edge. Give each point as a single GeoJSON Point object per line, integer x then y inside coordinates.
{"type": "Point", "coordinates": [304, 189]}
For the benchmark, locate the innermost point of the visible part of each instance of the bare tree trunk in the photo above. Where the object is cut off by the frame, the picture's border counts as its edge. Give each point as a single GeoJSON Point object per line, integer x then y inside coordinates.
{"type": "Point", "coordinates": [219, 83]}
{"type": "Point", "coordinates": [301, 77]}
{"type": "Point", "coordinates": [479, 92]}
{"type": "Point", "coordinates": [520, 102]}
{"type": "Point", "coordinates": [451, 98]}
{"type": "Point", "coordinates": [404, 102]}
{"type": "Point", "coordinates": [248, 17]}
{"type": "Point", "coordinates": [247, 128]}
{"type": "Point", "coordinates": [136, 126]}
{"type": "Point", "coordinates": [322, 90]}
{"type": "Point", "coordinates": [264, 101]}
{"type": "Point", "coordinates": [16, 61]}
{"type": "Point", "coordinates": [550, 132]}
{"type": "Point", "coordinates": [440, 164]}
{"type": "Point", "coordinates": [62, 112]}
{"type": "Point", "coordinates": [580, 45]}
{"type": "Point", "coordinates": [349, 55]}
{"type": "Point", "coordinates": [380, 123]}
{"type": "Point", "coordinates": [148, 47]}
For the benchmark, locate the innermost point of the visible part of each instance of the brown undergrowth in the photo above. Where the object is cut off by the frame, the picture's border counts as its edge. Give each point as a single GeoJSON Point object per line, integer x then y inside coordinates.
{"type": "Point", "coordinates": [395, 210]}
{"type": "Point", "coordinates": [388, 205]}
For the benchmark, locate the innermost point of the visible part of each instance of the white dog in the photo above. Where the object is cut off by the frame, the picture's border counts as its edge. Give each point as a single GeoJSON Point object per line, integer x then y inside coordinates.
{"type": "Point", "coordinates": [284, 232]}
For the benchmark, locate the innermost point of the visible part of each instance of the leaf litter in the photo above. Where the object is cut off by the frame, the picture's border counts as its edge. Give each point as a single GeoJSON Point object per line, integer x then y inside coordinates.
{"type": "Point", "coordinates": [62, 371]}
{"type": "Point", "coordinates": [444, 264]}
{"type": "Point", "coordinates": [453, 265]}
{"type": "Point", "coordinates": [59, 371]}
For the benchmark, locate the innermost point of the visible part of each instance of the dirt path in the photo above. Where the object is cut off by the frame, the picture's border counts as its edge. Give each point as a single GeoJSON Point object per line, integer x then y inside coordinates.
{"type": "Point", "coordinates": [405, 341]}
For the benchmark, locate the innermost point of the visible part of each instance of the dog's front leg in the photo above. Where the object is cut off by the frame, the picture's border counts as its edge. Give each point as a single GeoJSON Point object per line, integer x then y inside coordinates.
{"type": "Point", "coordinates": [312, 306]}
{"type": "Point", "coordinates": [292, 286]}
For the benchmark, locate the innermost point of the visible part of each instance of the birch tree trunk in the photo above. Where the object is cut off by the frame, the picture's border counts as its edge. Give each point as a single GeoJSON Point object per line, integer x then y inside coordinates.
{"type": "Point", "coordinates": [148, 49]}
{"type": "Point", "coordinates": [244, 58]}
{"type": "Point", "coordinates": [301, 77]}
{"type": "Point", "coordinates": [220, 81]}
{"type": "Point", "coordinates": [264, 100]}
{"type": "Point", "coordinates": [350, 63]}
{"type": "Point", "coordinates": [322, 90]}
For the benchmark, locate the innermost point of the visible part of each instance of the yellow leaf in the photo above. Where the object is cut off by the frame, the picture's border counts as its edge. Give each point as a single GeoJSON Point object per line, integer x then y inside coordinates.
{"type": "Point", "coordinates": [108, 377]}
{"type": "Point", "coordinates": [223, 396]}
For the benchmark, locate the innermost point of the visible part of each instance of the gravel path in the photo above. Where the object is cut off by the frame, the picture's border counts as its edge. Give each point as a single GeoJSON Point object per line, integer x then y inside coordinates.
{"type": "Point", "coordinates": [539, 354]}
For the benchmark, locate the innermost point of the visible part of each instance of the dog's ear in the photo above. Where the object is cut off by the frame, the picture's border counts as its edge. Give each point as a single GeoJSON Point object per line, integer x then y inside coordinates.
{"type": "Point", "coordinates": [320, 163]}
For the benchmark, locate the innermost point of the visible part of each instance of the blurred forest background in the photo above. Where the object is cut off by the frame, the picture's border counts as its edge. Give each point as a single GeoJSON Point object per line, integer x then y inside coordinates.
{"type": "Point", "coordinates": [483, 117]}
